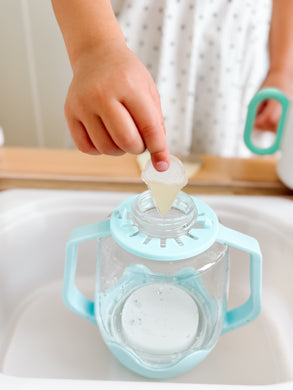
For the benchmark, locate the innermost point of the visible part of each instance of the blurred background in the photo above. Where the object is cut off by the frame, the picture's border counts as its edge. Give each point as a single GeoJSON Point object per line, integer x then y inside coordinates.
{"type": "Point", "coordinates": [34, 75]}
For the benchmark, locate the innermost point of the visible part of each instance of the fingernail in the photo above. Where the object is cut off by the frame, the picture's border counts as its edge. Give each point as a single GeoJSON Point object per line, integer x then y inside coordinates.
{"type": "Point", "coordinates": [161, 166]}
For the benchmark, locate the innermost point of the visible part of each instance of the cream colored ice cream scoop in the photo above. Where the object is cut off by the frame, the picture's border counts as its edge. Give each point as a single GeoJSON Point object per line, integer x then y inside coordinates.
{"type": "Point", "coordinates": [165, 186]}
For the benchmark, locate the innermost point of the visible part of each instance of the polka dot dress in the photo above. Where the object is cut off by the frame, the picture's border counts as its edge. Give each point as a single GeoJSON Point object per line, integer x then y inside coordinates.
{"type": "Point", "coordinates": [208, 58]}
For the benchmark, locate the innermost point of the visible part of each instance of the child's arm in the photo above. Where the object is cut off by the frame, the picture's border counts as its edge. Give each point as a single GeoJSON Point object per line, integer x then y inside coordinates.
{"type": "Point", "coordinates": [280, 73]}
{"type": "Point", "coordinates": [112, 105]}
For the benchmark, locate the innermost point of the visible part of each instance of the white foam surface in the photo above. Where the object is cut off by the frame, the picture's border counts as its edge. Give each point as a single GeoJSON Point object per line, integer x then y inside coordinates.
{"type": "Point", "coordinates": [160, 319]}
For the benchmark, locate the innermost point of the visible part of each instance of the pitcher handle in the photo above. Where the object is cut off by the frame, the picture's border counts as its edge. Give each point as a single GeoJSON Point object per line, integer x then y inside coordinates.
{"type": "Point", "coordinates": [264, 94]}
{"type": "Point", "coordinates": [249, 310]}
{"type": "Point", "coordinates": [72, 297]}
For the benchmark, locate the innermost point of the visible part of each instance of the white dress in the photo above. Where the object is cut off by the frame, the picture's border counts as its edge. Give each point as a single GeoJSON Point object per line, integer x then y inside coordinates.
{"type": "Point", "coordinates": [208, 58]}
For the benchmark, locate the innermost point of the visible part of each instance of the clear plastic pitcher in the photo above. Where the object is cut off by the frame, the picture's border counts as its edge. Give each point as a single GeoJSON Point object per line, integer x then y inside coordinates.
{"type": "Point", "coordinates": [161, 284]}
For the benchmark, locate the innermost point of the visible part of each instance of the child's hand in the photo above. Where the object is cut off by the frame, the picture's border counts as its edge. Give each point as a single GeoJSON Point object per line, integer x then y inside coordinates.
{"type": "Point", "coordinates": [113, 105]}
{"type": "Point", "coordinates": [270, 111]}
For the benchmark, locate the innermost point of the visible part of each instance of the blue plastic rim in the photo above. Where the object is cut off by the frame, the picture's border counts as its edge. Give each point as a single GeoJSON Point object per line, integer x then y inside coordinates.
{"type": "Point", "coordinates": [195, 242]}
{"type": "Point", "coordinates": [260, 96]}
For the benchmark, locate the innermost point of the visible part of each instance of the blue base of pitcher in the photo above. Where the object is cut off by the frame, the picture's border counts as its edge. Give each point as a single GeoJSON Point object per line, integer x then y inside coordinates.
{"type": "Point", "coordinates": [186, 278]}
{"type": "Point", "coordinates": [130, 361]}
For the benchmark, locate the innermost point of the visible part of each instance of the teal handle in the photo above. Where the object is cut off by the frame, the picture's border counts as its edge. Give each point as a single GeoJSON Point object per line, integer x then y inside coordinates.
{"type": "Point", "coordinates": [72, 297]}
{"type": "Point", "coordinates": [249, 310]}
{"type": "Point", "coordinates": [264, 94]}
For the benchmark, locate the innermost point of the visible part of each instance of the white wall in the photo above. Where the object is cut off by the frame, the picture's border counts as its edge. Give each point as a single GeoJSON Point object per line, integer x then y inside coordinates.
{"type": "Point", "coordinates": [34, 75]}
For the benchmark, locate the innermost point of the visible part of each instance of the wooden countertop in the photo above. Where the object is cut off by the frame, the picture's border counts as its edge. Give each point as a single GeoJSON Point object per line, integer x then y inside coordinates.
{"type": "Point", "coordinates": [71, 169]}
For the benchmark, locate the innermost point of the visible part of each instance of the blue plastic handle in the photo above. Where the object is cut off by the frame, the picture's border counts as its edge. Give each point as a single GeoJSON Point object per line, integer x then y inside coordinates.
{"type": "Point", "coordinates": [264, 94]}
{"type": "Point", "coordinates": [249, 310]}
{"type": "Point", "coordinates": [72, 297]}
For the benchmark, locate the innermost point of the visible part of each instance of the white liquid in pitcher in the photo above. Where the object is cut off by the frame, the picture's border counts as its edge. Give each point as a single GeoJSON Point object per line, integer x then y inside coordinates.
{"type": "Point", "coordinates": [160, 322]}
{"type": "Point", "coordinates": [164, 195]}
{"type": "Point", "coordinates": [160, 319]}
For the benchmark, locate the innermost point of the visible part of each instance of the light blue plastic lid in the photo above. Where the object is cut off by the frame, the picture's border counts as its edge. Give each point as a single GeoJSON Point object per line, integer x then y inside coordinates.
{"type": "Point", "coordinates": [198, 238]}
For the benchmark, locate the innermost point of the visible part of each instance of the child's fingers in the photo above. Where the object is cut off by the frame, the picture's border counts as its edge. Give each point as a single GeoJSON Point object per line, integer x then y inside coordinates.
{"type": "Point", "coordinates": [100, 136]}
{"type": "Point", "coordinates": [268, 118]}
{"type": "Point", "coordinates": [261, 107]}
{"type": "Point", "coordinates": [149, 121]}
{"type": "Point", "coordinates": [80, 136]}
{"type": "Point", "coordinates": [122, 128]}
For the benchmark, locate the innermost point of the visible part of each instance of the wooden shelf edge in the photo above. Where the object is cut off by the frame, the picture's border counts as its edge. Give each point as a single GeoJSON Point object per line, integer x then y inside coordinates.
{"type": "Point", "coordinates": [139, 186]}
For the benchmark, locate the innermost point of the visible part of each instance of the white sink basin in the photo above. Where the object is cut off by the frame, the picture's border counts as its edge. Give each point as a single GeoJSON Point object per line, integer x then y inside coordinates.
{"type": "Point", "coordinates": [43, 344]}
